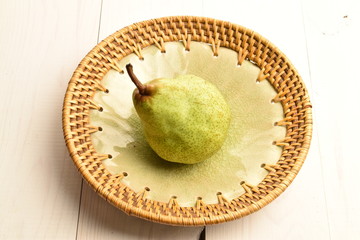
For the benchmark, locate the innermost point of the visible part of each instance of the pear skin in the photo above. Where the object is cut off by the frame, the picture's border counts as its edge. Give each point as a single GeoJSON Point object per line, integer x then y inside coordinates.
{"type": "Point", "coordinates": [185, 119]}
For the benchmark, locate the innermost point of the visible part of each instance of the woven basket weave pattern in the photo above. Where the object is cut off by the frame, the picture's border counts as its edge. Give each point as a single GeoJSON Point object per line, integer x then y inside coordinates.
{"type": "Point", "coordinates": [275, 68]}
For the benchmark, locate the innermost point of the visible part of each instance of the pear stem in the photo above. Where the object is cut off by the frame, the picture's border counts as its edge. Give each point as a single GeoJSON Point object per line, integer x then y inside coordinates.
{"type": "Point", "coordinates": [135, 80]}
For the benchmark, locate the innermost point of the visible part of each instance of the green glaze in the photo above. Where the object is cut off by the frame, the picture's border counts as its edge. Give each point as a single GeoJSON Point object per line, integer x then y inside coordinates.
{"type": "Point", "coordinates": [247, 145]}
{"type": "Point", "coordinates": [186, 120]}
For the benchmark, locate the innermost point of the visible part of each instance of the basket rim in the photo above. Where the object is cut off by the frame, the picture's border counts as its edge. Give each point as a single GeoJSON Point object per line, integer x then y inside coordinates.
{"type": "Point", "coordinates": [104, 189]}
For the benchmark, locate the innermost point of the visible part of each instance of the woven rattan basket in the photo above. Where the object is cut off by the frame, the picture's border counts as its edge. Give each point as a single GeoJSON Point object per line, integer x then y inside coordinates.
{"type": "Point", "coordinates": [275, 68]}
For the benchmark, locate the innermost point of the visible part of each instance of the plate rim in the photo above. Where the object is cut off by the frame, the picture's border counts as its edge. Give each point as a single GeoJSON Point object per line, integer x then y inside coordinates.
{"type": "Point", "coordinates": [275, 68]}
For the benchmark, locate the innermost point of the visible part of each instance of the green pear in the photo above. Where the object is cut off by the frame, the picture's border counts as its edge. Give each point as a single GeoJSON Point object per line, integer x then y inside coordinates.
{"type": "Point", "coordinates": [185, 119]}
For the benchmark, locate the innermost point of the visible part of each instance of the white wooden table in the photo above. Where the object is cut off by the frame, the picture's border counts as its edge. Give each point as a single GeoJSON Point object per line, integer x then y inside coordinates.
{"type": "Point", "coordinates": [43, 197]}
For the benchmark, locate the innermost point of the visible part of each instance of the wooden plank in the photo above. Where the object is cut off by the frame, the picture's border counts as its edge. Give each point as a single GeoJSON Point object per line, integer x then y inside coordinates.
{"type": "Point", "coordinates": [117, 15]}
{"type": "Point", "coordinates": [41, 44]}
{"type": "Point", "coordinates": [333, 46]}
{"type": "Point", "coordinates": [98, 219]}
{"type": "Point", "coordinates": [300, 212]}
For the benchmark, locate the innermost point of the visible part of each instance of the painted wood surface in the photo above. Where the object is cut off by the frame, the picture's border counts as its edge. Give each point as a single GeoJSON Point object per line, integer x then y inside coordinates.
{"type": "Point", "coordinates": [43, 196]}
{"type": "Point", "coordinates": [41, 43]}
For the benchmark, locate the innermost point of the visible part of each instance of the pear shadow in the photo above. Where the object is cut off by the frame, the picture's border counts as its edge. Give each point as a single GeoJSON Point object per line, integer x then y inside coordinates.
{"type": "Point", "coordinates": [98, 216]}
{"type": "Point", "coordinates": [142, 146]}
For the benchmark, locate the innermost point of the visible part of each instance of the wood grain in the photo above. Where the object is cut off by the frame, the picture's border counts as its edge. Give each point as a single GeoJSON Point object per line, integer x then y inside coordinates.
{"type": "Point", "coordinates": [41, 43]}
{"type": "Point", "coordinates": [116, 14]}
{"type": "Point", "coordinates": [123, 225]}
{"type": "Point", "coordinates": [299, 213]}
{"type": "Point", "coordinates": [100, 220]}
{"type": "Point", "coordinates": [333, 46]}
{"type": "Point", "coordinates": [287, 217]}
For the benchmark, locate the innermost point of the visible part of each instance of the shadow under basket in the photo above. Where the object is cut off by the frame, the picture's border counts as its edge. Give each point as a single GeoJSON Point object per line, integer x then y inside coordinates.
{"type": "Point", "coordinates": [157, 35]}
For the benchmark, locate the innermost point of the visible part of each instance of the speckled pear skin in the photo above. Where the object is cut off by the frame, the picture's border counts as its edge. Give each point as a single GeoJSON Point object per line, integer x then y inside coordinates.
{"type": "Point", "coordinates": [185, 120]}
